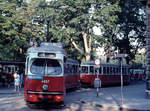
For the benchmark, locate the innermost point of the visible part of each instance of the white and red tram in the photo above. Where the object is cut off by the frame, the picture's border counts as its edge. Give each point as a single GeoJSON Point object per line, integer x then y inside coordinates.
{"type": "Point", "coordinates": [108, 73]}
{"type": "Point", "coordinates": [49, 73]}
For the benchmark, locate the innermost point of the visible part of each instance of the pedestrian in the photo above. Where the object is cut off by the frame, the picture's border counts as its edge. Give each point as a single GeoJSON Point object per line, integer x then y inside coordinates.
{"type": "Point", "coordinates": [16, 81]}
{"type": "Point", "coordinates": [9, 80]}
{"type": "Point", "coordinates": [3, 79]}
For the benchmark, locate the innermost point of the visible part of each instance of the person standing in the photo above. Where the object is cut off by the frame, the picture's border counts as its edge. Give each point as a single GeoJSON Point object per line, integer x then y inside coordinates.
{"type": "Point", "coordinates": [3, 79]}
{"type": "Point", "coordinates": [16, 81]}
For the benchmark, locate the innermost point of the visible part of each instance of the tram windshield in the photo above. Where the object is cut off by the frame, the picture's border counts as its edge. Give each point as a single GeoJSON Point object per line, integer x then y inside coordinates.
{"type": "Point", "coordinates": [84, 69]}
{"type": "Point", "coordinates": [46, 67]}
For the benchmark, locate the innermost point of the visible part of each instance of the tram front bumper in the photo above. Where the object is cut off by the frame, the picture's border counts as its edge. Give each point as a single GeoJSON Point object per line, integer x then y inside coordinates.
{"type": "Point", "coordinates": [45, 96]}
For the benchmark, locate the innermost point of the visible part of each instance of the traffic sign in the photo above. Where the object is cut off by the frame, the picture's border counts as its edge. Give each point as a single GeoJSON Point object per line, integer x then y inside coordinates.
{"type": "Point", "coordinates": [97, 62]}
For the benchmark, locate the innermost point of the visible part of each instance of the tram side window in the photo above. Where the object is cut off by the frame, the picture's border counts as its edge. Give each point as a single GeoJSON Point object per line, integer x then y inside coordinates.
{"type": "Point", "coordinates": [117, 70]}
{"type": "Point", "coordinates": [84, 69]}
{"type": "Point", "coordinates": [114, 70]}
{"type": "Point", "coordinates": [66, 68]}
{"type": "Point", "coordinates": [111, 71]}
{"type": "Point", "coordinates": [100, 70]}
{"type": "Point", "coordinates": [71, 68]}
{"type": "Point", "coordinates": [91, 69]}
{"type": "Point", "coordinates": [122, 70]}
{"type": "Point", "coordinates": [75, 69]}
{"type": "Point", "coordinates": [108, 70]}
{"type": "Point", "coordinates": [125, 70]}
{"type": "Point", "coordinates": [104, 70]}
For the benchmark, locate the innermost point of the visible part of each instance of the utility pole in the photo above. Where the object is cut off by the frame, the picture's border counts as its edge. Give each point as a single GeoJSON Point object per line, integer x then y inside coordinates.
{"type": "Point", "coordinates": [120, 58]}
{"type": "Point", "coordinates": [48, 20]}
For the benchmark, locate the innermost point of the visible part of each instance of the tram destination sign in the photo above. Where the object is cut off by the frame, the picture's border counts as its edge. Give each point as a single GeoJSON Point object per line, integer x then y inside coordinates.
{"type": "Point", "coordinates": [120, 55]}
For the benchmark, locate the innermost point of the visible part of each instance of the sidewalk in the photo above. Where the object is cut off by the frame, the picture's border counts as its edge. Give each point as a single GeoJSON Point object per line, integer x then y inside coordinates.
{"type": "Point", "coordinates": [6, 90]}
{"type": "Point", "coordinates": [134, 98]}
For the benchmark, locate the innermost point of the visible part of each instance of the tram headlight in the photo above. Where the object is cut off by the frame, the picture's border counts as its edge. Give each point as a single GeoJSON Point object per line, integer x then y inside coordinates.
{"type": "Point", "coordinates": [45, 87]}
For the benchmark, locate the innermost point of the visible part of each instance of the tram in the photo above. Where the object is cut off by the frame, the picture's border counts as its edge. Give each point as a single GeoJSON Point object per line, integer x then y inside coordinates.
{"type": "Point", "coordinates": [49, 73]}
{"type": "Point", "coordinates": [109, 74]}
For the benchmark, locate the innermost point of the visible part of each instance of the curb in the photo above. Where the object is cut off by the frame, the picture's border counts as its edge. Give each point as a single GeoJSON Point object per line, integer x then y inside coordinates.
{"type": "Point", "coordinates": [11, 92]}
{"type": "Point", "coordinates": [111, 107]}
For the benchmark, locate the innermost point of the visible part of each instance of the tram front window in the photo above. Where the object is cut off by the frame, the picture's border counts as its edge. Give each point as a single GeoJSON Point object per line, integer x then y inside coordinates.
{"type": "Point", "coordinates": [53, 67]}
{"type": "Point", "coordinates": [46, 67]}
{"type": "Point", "coordinates": [37, 66]}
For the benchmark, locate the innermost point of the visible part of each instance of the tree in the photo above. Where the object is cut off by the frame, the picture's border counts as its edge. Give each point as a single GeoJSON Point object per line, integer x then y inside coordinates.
{"type": "Point", "coordinates": [131, 33]}
{"type": "Point", "coordinates": [77, 21]}
{"type": "Point", "coordinates": [17, 28]}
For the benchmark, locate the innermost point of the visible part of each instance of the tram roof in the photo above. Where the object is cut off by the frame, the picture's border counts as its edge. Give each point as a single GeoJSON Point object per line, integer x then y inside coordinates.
{"type": "Point", "coordinates": [48, 47]}
{"type": "Point", "coordinates": [103, 63]}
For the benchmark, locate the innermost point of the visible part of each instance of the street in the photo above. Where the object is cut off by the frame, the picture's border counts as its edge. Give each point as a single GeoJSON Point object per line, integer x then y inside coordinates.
{"type": "Point", "coordinates": [84, 99]}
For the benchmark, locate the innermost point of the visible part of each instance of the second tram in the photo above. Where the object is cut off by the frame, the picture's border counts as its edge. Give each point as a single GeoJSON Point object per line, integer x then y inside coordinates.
{"type": "Point", "coordinates": [49, 73]}
{"type": "Point", "coordinates": [108, 73]}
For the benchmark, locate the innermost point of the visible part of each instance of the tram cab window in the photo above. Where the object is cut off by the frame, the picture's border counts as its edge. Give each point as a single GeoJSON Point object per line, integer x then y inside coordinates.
{"type": "Point", "coordinates": [92, 69]}
{"type": "Point", "coordinates": [84, 69]}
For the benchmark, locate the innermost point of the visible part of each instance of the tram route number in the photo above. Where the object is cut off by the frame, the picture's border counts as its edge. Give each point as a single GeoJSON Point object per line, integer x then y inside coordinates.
{"type": "Point", "coordinates": [45, 81]}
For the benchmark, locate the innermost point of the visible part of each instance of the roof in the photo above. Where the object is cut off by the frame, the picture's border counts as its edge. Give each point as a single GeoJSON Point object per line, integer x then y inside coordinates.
{"type": "Point", "coordinates": [103, 63]}
{"type": "Point", "coordinates": [11, 62]}
{"type": "Point", "coordinates": [47, 47]}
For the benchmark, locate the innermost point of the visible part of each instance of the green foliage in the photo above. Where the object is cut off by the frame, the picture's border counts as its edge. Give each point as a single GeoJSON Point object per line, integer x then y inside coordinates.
{"type": "Point", "coordinates": [121, 23]}
{"type": "Point", "coordinates": [16, 29]}
{"type": "Point", "coordinates": [80, 16]}
{"type": "Point", "coordinates": [131, 28]}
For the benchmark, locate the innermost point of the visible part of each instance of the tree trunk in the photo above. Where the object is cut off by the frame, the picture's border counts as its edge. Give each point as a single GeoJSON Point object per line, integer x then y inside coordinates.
{"type": "Point", "coordinates": [87, 46]}
{"type": "Point", "coordinates": [88, 57]}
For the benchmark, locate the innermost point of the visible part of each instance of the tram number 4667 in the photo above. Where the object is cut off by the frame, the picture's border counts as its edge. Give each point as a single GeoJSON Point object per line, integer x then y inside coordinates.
{"type": "Point", "coordinates": [45, 81]}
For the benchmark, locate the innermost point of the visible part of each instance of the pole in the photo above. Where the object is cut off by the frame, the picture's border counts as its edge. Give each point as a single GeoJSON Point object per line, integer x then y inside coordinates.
{"type": "Point", "coordinates": [121, 83]}
{"type": "Point", "coordinates": [97, 87]}
{"type": "Point", "coordinates": [47, 35]}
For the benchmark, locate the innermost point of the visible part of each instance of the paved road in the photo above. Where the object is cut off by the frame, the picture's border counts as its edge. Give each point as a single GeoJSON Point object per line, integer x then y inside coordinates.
{"type": "Point", "coordinates": [84, 99]}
